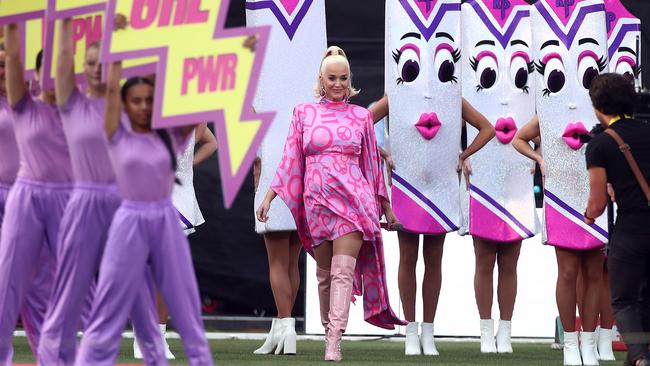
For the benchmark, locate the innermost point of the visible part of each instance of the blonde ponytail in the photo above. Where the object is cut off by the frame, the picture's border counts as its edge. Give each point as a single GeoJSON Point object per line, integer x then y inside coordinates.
{"type": "Point", "coordinates": [334, 54]}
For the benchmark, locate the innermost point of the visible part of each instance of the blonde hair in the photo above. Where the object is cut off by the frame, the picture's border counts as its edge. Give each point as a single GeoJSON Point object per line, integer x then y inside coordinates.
{"type": "Point", "coordinates": [334, 55]}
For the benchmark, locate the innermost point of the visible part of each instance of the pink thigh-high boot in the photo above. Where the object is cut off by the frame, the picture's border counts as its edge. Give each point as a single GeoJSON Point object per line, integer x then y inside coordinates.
{"type": "Point", "coordinates": [342, 275]}
{"type": "Point", "coordinates": [324, 281]}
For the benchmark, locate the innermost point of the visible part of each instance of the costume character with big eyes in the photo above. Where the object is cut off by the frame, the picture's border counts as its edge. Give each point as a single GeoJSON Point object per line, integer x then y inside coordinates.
{"type": "Point", "coordinates": [570, 51]}
{"type": "Point", "coordinates": [298, 38]}
{"type": "Point", "coordinates": [498, 200]}
{"type": "Point", "coordinates": [426, 111]}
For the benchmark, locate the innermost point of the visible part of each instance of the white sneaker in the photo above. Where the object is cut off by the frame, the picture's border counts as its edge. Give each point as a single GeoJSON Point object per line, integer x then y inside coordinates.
{"type": "Point", "coordinates": [427, 340]}
{"type": "Point", "coordinates": [571, 351]}
{"type": "Point", "coordinates": [605, 351]}
{"type": "Point", "coordinates": [488, 342]}
{"type": "Point", "coordinates": [412, 342]}
{"type": "Point", "coordinates": [168, 353]}
{"type": "Point", "coordinates": [504, 344]}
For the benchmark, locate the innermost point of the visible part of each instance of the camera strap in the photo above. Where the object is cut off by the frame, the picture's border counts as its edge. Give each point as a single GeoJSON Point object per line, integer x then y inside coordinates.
{"type": "Point", "coordinates": [627, 152]}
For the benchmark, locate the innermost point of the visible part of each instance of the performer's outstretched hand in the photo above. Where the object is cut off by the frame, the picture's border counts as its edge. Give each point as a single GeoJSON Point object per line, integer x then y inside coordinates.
{"type": "Point", "coordinates": [262, 212]}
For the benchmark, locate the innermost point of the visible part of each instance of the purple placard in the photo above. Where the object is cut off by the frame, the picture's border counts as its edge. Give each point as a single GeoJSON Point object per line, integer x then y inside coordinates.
{"type": "Point", "coordinates": [230, 183]}
{"type": "Point", "coordinates": [583, 11]}
{"type": "Point", "coordinates": [427, 31]}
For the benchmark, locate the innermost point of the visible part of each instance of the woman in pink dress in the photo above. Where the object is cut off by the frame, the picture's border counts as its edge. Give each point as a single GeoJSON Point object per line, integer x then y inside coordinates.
{"type": "Point", "coordinates": [330, 177]}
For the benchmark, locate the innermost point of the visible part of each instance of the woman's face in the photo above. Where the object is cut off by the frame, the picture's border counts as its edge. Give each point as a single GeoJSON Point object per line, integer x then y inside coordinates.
{"type": "Point", "coordinates": [139, 105]}
{"type": "Point", "coordinates": [336, 81]}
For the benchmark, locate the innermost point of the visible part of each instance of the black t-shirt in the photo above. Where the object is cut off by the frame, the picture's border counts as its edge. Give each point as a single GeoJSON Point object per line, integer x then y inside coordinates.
{"type": "Point", "coordinates": [602, 151]}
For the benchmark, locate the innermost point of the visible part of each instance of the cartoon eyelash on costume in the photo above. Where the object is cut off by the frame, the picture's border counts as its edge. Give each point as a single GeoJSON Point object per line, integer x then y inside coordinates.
{"type": "Point", "coordinates": [473, 63]}
{"type": "Point", "coordinates": [525, 89]}
{"type": "Point", "coordinates": [396, 55]}
{"type": "Point", "coordinates": [400, 81]}
{"type": "Point", "coordinates": [602, 63]}
{"type": "Point", "coordinates": [546, 92]}
{"type": "Point", "coordinates": [456, 55]}
{"type": "Point", "coordinates": [540, 67]}
{"type": "Point", "coordinates": [531, 67]}
{"type": "Point", "coordinates": [479, 88]}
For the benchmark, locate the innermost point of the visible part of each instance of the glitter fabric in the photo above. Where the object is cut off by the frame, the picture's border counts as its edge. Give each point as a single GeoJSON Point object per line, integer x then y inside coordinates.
{"type": "Point", "coordinates": [500, 203]}
{"type": "Point", "coordinates": [422, 78]}
{"type": "Point", "coordinates": [569, 44]}
{"type": "Point", "coordinates": [623, 29]}
{"type": "Point", "coordinates": [183, 195]}
{"type": "Point", "coordinates": [296, 47]}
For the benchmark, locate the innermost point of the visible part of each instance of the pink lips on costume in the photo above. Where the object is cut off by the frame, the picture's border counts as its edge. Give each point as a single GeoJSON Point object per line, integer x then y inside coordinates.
{"type": "Point", "coordinates": [505, 129]}
{"type": "Point", "coordinates": [428, 125]}
{"type": "Point", "coordinates": [572, 134]}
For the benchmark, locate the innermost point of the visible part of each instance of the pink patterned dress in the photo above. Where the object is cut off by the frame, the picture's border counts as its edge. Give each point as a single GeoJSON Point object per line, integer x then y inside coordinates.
{"type": "Point", "coordinates": [330, 177]}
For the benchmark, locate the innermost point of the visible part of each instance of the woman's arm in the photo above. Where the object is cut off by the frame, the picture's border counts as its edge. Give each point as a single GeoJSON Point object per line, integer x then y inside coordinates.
{"type": "Point", "coordinates": [379, 110]}
{"type": "Point", "coordinates": [597, 194]}
{"type": "Point", "coordinates": [208, 142]}
{"type": "Point", "coordinates": [113, 101]}
{"type": "Point", "coordinates": [16, 88]}
{"type": "Point", "coordinates": [65, 79]}
{"type": "Point", "coordinates": [484, 127]}
{"type": "Point", "coordinates": [521, 142]}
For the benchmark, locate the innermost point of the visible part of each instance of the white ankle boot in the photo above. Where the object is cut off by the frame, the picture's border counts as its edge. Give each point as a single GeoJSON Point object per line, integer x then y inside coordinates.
{"type": "Point", "coordinates": [269, 346]}
{"type": "Point", "coordinates": [571, 351]}
{"type": "Point", "coordinates": [588, 348]}
{"type": "Point", "coordinates": [605, 352]}
{"type": "Point", "coordinates": [412, 342]}
{"type": "Point", "coordinates": [168, 353]}
{"type": "Point", "coordinates": [137, 353]}
{"type": "Point", "coordinates": [427, 341]}
{"type": "Point", "coordinates": [488, 343]}
{"type": "Point", "coordinates": [504, 344]}
{"type": "Point", "coordinates": [287, 340]}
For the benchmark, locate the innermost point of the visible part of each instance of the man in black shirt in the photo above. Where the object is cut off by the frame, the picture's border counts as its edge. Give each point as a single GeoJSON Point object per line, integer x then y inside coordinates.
{"type": "Point", "coordinates": [628, 261]}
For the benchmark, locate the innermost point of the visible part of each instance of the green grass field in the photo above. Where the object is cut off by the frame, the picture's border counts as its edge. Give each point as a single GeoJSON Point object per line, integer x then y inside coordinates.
{"type": "Point", "coordinates": [367, 353]}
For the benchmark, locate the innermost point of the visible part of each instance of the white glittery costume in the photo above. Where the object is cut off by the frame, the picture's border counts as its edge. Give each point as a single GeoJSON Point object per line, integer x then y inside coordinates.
{"type": "Point", "coordinates": [422, 76]}
{"type": "Point", "coordinates": [183, 195]}
{"type": "Point", "coordinates": [623, 31]}
{"type": "Point", "coordinates": [498, 80]}
{"type": "Point", "coordinates": [570, 49]}
{"type": "Point", "coordinates": [297, 44]}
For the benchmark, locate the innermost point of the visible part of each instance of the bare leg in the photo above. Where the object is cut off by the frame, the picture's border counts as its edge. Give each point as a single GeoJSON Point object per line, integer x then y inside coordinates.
{"type": "Point", "coordinates": [606, 311]}
{"type": "Point", "coordinates": [580, 291]}
{"type": "Point", "coordinates": [163, 312]}
{"type": "Point", "coordinates": [295, 248]}
{"type": "Point", "coordinates": [592, 272]}
{"type": "Point", "coordinates": [486, 255]}
{"type": "Point", "coordinates": [278, 250]}
{"type": "Point", "coordinates": [432, 253]}
{"type": "Point", "coordinates": [568, 265]}
{"type": "Point", "coordinates": [508, 256]}
{"type": "Point", "coordinates": [408, 257]}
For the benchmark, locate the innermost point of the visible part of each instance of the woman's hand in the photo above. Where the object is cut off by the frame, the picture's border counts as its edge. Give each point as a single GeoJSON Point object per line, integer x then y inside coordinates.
{"type": "Point", "coordinates": [262, 212]}
{"type": "Point", "coordinates": [392, 223]}
{"type": "Point", "coordinates": [466, 167]}
{"type": "Point", "coordinates": [390, 164]}
{"type": "Point", "coordinates": [120, 22]}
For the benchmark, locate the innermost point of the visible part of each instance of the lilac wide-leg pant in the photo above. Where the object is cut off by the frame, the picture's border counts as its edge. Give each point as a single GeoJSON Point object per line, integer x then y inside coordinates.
{"type": "Point", "coordinates": [28, 246]}
{"type": "Point", "coordinates": [144, 233]}
{"type": "Point", "coordinates": [83, 234]}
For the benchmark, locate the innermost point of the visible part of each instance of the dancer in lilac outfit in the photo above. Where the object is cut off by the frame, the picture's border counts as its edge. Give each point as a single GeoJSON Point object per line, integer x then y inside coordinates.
{"type": "Point", "coordinates": [144, 230]}
{"type": "Point", "coordinates": [87, 217]}
{"type": "Point", "coordinates": [34, 205]}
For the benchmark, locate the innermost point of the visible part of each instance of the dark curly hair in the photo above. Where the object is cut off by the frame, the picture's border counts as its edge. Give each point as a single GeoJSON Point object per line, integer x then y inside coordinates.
{"type": "Point", "coordinates": [613, 94]}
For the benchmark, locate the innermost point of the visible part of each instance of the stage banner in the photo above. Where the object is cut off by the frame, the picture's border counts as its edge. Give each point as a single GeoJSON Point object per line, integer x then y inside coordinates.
{"type": "Point", "coordinates": [87, 25]}
{"type": "Point", "coordinates": [204, 73]}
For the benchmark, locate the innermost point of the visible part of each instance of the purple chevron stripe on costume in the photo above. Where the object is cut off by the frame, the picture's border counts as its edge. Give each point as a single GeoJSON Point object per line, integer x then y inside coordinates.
{"type": "Point", "coordinates": [503, 38]}
{"type": "Point", "coordinates": [425, 200]}
{"type": "Point", "coordinates": [290, 28]}
{"type": "Point", "coordinates": [427, 32]}
{"type": "Point", "coordinates": [625, 28]}
{"type": "Point", "coordinates": [573, 212]}
{"type": "Point", "coordinates": [184, 220]}
{"type": "Point", "coordinates": [501, 209]}
{"type": "Point", "coordinates": [567, 39]}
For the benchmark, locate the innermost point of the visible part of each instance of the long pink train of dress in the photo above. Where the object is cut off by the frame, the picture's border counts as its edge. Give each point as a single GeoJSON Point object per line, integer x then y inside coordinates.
{"type": "Point", "coordinates": [330, 177]}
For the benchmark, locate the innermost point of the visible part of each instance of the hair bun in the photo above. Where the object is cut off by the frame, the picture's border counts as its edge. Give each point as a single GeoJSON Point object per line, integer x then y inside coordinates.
{"type": "Point", "coordinates": [334, 51]}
